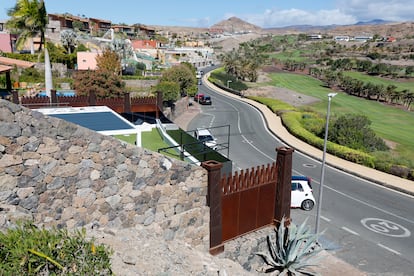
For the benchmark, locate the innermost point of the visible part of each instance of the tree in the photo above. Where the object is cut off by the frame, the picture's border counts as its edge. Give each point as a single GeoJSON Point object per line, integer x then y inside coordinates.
{"type": "Point", "coordinates": [68, 38]}
{"type": "Point", "coordinates": [123, 49]}
{"type": "Point", "coordinates": [170, 90]}
{"type": "Point", "coordinates": [104, 84]}
{"type": "Point", "coordinates": [109, 61]}
{"type": "Point", "coordinates": [28, 19]}
{"type": "Point", "coordinates": [182, 75]}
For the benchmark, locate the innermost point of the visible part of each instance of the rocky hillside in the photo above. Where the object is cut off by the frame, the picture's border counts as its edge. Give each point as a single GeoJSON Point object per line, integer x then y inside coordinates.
{"type": "Point", "coordinates": [236, 25]}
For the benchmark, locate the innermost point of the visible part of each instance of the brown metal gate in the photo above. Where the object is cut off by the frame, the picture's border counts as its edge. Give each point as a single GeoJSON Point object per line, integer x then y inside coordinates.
{"type": "Point", "coordinates": [248, 200]}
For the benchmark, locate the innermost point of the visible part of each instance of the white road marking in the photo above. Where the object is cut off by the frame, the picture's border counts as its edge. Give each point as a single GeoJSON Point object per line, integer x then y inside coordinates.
{"type": "Point", "coordinates": [244, 138]}
{"type": "Point", "coordinates": [212, 120]}
{"type": "Point", "coordinates": [350, 231]}
{"type": "Point", "coordinates": [385, 227]}
{"type": "Point", "coordinates": [389, 249]}
{"type": "Point", "coordinates": [325, 219]}
{"type": "Point", "coordinates": [315, 160]}
{"type": "Point", "coordinates": [367, 204]}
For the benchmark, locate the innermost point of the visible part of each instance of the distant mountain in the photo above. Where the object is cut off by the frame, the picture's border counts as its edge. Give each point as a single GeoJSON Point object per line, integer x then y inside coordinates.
{"type": "Point", "coordinates": [236, 25]}
{"type": "Point", "coordinates": [373, 22]}
{"type": "Point", "coordinates": [369, 25]}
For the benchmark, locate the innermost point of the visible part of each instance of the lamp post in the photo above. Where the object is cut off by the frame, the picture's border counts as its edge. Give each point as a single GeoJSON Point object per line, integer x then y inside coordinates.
{"type": "Point", "coordinates": [318, 213]}
{"type": "Point", "coordinates": [228, 83]}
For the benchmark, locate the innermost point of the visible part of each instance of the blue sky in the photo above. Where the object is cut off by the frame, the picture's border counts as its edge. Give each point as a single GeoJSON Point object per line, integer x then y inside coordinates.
{"type": "Point", "coordinates": [263, 13]}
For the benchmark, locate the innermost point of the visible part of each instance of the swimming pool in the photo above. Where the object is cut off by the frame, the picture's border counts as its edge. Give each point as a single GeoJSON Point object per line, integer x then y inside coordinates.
{"type": "Point", "coordinates": [59, 93]}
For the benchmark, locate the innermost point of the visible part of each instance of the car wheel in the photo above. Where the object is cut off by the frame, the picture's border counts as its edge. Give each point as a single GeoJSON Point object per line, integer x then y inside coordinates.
{"type": "Point", "coordinates": [307, 204]}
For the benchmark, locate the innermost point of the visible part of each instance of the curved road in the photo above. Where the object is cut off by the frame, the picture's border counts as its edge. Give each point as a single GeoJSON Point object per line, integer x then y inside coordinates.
{"type": "Point", "coordinates": [366, 225]}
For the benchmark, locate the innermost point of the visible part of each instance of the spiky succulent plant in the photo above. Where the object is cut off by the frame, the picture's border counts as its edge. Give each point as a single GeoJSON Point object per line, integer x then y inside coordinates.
{"type": "Point", "coordinates": [292, 250]}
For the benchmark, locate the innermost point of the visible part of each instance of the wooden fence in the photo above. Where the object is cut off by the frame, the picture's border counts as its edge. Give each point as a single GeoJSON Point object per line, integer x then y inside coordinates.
{"type": "Point", "coordinates": [124, 104]}
{"type": "Point", "coordinates": [249, 200]}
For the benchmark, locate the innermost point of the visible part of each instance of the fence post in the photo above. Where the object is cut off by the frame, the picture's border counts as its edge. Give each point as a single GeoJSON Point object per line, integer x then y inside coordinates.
{"type": "Point", "coordinates": [214, 194]}
{"type": "Point", "coordinates": [127, 102]}
{"type": "Point", "coordinates": [92, 98]}
{"type": "Point", "coordinates": [15, 97]}
{"type": "Point", "coordinates": [53, 97]}
{"type": "Point", "coordinates": [283, 184]}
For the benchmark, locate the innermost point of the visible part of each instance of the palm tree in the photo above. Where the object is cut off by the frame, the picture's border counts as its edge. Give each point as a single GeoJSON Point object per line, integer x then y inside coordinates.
{"type": "Point", "coordinates": [28, 18]}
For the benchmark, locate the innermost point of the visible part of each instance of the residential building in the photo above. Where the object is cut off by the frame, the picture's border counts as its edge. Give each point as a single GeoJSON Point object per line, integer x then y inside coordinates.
{"type": "Point", "coordinates": [7, 42]}
{"type": "Point", "coordinates": [86, 60]}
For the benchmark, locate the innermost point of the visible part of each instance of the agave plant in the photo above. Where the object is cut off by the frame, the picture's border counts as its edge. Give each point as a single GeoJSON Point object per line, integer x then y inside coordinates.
{"type": "Point", "coordinates": [293, 250]}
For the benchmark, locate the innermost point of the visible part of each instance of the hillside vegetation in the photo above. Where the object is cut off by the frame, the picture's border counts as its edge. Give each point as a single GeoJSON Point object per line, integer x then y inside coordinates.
{"type": "Point", "coordinates": [371, 83]}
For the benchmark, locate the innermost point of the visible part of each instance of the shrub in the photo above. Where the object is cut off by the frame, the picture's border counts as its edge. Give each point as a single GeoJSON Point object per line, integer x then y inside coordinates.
{"type": "Point", "coordinates": [275, 105]}
{"type": "Point", "coordinates": [353, 131]}
{"type": "Point", "coordinates": [222, 77]}
{"type": "Point", "coordinates": [312, 122]}
{"type": "Point", "coordinates": [291, 120]}
{"type": "Point", "coordinates": [28, 250]}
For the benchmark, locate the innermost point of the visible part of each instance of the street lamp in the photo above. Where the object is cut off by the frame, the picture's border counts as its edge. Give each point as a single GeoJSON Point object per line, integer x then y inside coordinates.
{"type": "Point", "coordinates": [228, 83]}
{"type": "Point", "coordinates": [330, 96]}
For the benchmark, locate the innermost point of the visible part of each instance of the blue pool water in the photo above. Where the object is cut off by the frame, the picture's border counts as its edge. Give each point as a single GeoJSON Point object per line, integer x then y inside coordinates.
{"type": "Point", "coordinates": [65, 93]}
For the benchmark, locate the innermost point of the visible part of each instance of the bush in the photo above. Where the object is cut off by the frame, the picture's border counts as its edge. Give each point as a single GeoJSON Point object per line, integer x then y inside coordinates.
{"type": "Point", "coordinates": [313, 122]}
{"type": "Point", "coordinates": [291, 120]}
{"type": "Point", "coordinates": [353, 131]}
{"type": "Point", "coordinates": [31, 75]}
{"type": "Point", "coordinates": [28, 250]}
{"type": "Point", "coordinates": [275, 105]}
{"type": "Point", "coordinates": [221, 77]}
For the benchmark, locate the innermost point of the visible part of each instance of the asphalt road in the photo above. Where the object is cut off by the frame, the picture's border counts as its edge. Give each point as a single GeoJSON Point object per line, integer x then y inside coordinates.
{"type": "Point", "coordinates": [366, 225]}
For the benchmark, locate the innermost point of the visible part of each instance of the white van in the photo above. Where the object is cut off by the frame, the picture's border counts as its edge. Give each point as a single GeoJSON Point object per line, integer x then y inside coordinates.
{"type": "Point", "coordinates": [302, 194]}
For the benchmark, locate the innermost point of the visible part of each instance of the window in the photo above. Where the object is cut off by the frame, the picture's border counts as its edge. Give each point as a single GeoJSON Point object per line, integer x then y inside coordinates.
{"type": "Point", "coordinates": [297, 187]}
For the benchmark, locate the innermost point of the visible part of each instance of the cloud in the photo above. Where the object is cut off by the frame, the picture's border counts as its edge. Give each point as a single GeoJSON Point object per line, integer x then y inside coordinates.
{"type": "Point", "coordinates": [280, 18]}
{"type": "Point", "coordinates": [344, 12]}
{"type": "Point", "coordinates": [395, 10]}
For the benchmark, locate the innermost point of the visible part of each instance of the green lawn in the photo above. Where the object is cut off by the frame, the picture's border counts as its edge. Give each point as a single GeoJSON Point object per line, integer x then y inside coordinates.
{"type": "Point", "coordinates": [130, 138]}
{"type": "Point", "coordinates": [390, 123]}
{"type": "Point", "coordinates": [151, 140]}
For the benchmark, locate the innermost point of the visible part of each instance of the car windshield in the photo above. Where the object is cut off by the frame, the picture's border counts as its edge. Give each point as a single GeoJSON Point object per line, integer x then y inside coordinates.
{"type": "Point", "coordinates": [206, 138]}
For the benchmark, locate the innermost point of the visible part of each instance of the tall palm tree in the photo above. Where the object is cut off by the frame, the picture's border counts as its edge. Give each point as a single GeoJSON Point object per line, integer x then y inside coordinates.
{"type": "Point", "coordinates": [28, 19]}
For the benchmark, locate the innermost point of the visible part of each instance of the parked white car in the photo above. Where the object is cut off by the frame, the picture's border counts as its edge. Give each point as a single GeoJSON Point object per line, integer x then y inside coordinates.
{"type": "Point", "coordinates": [205, 136]}
{"type": "Point", "coordinates": [302, 194]}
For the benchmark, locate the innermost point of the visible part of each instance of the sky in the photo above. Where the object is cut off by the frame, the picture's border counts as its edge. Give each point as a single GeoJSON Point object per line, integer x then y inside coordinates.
{"type": "Point", "coordinates": [263, 13]}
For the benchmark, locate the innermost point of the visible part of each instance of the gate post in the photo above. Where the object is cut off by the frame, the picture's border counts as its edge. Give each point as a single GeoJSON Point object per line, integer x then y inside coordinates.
{"type": "Point", "coordinates": [158, 104]}
{"type": "Point", "coordinates": [283, 185]}
{"type": "Point", "coordinates": [214, 194]}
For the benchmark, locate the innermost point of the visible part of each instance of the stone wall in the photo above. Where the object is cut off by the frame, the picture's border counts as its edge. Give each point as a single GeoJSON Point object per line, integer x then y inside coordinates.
{"type": "Point", "coordinates": [60, 174]}
{"type": "Point", "coordinates": [149, 208]}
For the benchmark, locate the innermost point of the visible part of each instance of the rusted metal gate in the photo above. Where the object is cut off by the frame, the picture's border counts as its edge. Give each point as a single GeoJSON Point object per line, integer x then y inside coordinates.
{"type": "Point", "coordinates": [248, 200]}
